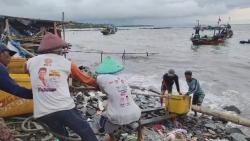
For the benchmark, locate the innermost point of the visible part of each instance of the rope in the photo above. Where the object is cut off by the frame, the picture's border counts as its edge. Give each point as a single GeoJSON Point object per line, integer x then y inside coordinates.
{"type": "Point", "coordinates": [40, 127]}
{"type": "Point", "coordinates": [31, 128]}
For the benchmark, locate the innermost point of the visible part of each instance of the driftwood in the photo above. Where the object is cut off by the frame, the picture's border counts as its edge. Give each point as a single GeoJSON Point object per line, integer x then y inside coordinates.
{"type": "Point", "coordinates": [225, 116]}
{"type": "Point", "coordinates": [155, 95]}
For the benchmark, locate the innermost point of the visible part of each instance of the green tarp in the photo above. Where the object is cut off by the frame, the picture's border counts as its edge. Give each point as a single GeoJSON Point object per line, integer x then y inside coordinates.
{"type": "Point", "coordinates": [109, 66]}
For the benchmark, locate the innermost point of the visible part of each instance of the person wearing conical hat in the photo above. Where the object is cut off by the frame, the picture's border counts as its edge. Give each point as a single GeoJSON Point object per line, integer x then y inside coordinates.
{"type": "Point", "coordinates": [121, 108]}
{"type": "Point", "coordinates": [53, 104]}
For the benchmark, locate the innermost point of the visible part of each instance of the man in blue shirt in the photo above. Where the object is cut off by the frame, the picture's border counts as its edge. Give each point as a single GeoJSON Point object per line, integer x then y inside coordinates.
{"type": "Point", "coordinates": [195, 89]}
{"type": "Point", "coordinates": [8, 85]}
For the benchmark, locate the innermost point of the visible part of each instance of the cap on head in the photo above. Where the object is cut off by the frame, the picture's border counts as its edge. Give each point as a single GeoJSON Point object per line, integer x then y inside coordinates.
{"type": "Point", "coordinates": [109, 66]}
{"type": "Point", "coordinates": [171, 72]}
{"type": "Point", "coordinates": [188, 72]}
{"type": "Point", "coordinates": [4, 48]}
{"type": "Point", "coordinates": [51, 42]}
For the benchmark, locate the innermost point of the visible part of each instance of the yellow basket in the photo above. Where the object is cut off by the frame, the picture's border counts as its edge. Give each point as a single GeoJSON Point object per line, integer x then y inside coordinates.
{"type": "Point", "coordinates": [178, 104]}
{"type": "Point", "coordinates": [11, 105]}
{"type": "Point", "coordinates": [17, 66]}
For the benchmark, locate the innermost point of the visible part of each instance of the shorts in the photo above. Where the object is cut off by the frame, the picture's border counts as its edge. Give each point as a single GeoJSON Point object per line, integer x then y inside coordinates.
{"type": "Point", "coordinates": [198, 99]}
{"type": "Point", "coordinates": [107, 126]}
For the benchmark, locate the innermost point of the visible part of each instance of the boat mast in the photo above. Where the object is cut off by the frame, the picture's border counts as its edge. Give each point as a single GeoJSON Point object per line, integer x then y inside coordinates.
{"type": "Point", "coordinates": [63, 26]}
{"type": "Point", "coordinates": [229, 20]}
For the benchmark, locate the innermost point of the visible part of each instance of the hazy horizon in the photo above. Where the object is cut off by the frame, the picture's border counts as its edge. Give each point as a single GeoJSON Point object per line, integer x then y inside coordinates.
{"type": "Point", "coordinates": [127, 12]}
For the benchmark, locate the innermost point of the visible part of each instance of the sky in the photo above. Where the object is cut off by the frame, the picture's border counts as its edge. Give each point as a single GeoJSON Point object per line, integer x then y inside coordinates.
{"type": "Point", "coordinates": [132, 12]}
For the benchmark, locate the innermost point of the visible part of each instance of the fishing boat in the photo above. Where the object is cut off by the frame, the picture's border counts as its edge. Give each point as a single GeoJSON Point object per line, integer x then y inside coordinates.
{"type": "Point", "coordinates": [111, 29]}
{"type": "Point", "coordinates": [220, 33]}
{"type": "Point", "coordinates": [245, 42]}
{"type": "Point", "coordinates": [226, 31]}
{"type": "Point", "coordinates": [214, 39]}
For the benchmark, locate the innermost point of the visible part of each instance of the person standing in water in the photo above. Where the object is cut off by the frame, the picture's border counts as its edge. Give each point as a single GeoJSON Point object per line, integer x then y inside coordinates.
{"type": "Point", "coordinates": [195, 89]}
{"type": "Point", "coordinates": [168, 81]}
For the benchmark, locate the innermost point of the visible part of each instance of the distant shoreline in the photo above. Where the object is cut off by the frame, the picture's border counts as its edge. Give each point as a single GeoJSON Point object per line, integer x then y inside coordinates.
{"type": "Point", "coordinates": [98, 27]}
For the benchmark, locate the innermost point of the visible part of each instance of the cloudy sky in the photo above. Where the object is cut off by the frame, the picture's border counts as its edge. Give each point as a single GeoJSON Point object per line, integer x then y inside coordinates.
{"type": "Point", "coordinates": [155, 12]}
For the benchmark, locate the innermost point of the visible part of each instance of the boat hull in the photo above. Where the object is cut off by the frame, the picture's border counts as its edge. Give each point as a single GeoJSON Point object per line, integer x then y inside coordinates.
{"type": "Point", "coordinates": [244, 42]}
{"type": "Point", "coordinates": [207, 42]}
{"type": "Point", "coordinates": [109, 31]}
{"type": "Point", "coordinates": [105, 32]}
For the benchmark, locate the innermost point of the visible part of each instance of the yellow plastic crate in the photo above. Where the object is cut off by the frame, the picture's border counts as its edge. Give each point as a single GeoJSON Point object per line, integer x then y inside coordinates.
{"type": "Point", "coordinates": [178, 104]}
{"type": "Point", "coordinates": [17, 66]}
{"type": "Point", "coordinates": [11, 105]}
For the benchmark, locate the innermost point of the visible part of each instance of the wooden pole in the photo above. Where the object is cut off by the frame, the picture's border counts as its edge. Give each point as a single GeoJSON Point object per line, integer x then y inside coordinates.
{"type": "Point", "coordinates": [55, 30]}
{"type": "Point", "coordinates": [143, 89]}
{"type": "Point", "coordinates": [63, 28]}
{"type": "Point", "coordinates": [65, 55]}
{"type": "Point", "coordinates": [123, 55]}
{"type": "Point", "coordinates": [7, 27]}
{"type": "Point", "coordinates": [101, 56]}
{"type": "Point", "coordinates": [225, 116]}
{"type": "Point", "coordinates": [7, 30]}
{"type": "Point", "coordinates": [155, 95]}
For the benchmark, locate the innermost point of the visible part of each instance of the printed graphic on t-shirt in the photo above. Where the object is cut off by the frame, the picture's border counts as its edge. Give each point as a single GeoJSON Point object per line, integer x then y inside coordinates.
{"type": "Point", "coordinates": [124, 100]}
{"type": "Point", "coordinates": [48, 62]}
{"type": "Point", "coordinates": [48, 78]}
{"type": "Point", "coordinates": [54, 78]}
{"type": "Point", "coordinates": [123, 91]}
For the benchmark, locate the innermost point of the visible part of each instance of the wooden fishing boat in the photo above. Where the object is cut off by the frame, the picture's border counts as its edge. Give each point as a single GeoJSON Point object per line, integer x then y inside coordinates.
{"type": "Point", "coordinates": [219, 34]}
{"type": "Point", "coordinates": [214, 39]}
{"type": "Point", "coordinates": [245, 42]}
{"type": "Point", "coordinates": [207, 40]}
{"type": "Point", "coordinates": [105, 32]}
{"type": "Point", "coordinates": [111, 29]}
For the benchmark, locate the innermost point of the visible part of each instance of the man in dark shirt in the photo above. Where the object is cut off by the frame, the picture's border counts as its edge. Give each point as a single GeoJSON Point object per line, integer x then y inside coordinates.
{"type": "Point", "coordinates": [168, 81]}
{"type": "Point", "coordinates": [10, 86]}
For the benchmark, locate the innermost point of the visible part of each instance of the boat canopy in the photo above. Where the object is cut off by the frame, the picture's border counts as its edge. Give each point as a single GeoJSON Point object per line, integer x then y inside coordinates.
{"type": "Point", "coordinates": [209, 27]}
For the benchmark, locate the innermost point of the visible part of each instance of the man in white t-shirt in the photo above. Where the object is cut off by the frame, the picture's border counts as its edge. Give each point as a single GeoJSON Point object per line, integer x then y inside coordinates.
{"type": "Point", "coordinates": [121, 108]}
{"type": "Point", "coordinates": [53, 104]}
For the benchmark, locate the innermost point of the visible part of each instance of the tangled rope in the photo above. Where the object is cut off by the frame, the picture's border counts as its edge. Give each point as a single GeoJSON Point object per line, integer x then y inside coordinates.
{"type": "Point", "coordinates": [32, 128]}
{"type": "Point", "coordinates": [27, 128]}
